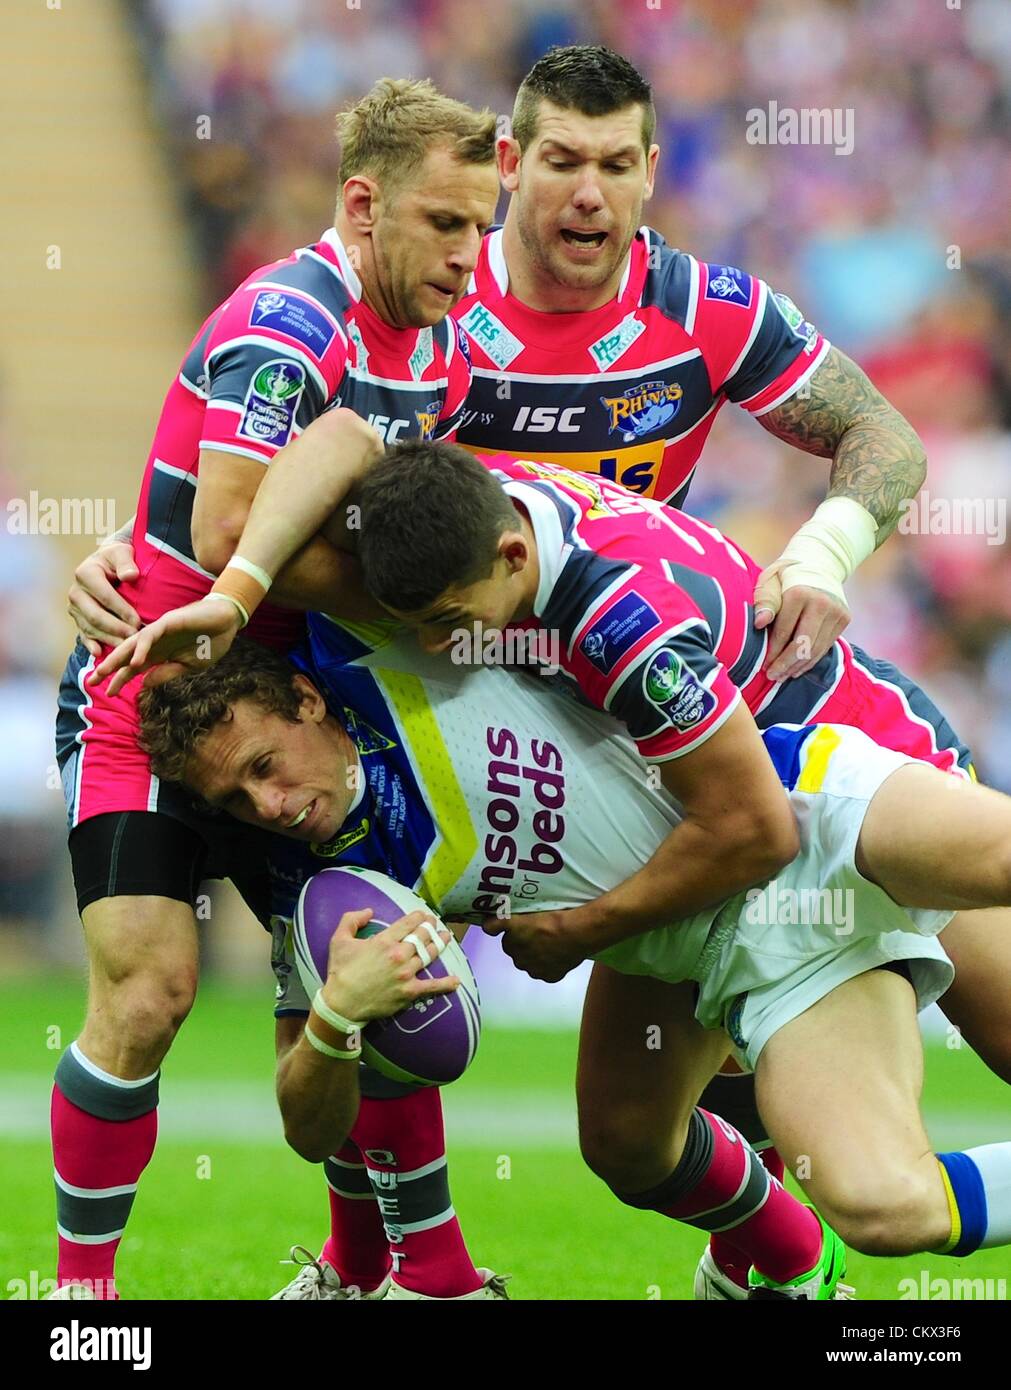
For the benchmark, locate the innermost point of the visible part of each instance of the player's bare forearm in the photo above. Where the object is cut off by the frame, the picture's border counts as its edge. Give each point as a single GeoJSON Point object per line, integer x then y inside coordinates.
{"type": "Point", "coordinates": [305, 484]}
{"type": "Point", "coordinates": [696, 867]}
{"type": "Point", "coordinates": [877, 457]}
{"type": "Point", "coordinates": [322, 579]}
{"type": "Point", "coordinates": [318, 1097]}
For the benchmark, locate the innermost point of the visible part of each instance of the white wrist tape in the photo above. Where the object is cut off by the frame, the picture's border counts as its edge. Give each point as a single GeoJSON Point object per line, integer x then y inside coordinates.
{"type": "Point", "coordinates": [230, 598]}
{"type": "Point", "coordinates": [335, 1020]}
{"type": "Point", "coordinates": [828, 548]}
{"type": "Point", "coordinates": [254, 571]}
{"type": "Point", "coordinates": [347, 1055]}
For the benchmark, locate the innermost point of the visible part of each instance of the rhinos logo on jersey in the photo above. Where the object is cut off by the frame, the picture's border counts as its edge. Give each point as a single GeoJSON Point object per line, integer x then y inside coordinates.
{"type": "Point", "coordinates": [643, 409]}
{"type": "Point", "coordinates": [428, 419]}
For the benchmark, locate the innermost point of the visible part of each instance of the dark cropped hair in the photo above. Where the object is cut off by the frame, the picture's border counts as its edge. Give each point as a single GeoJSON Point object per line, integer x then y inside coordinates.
{"type": "Point", "coordinates": [431, 517]}
{"type": "Point", "coordinates": [177, 715]}
{"type": "Point", "coordinates": [588, 78]}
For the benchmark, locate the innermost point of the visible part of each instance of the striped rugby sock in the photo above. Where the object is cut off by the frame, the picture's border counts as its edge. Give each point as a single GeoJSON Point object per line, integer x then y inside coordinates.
{"type": "Point", "coordinates": [404, 1147]}
{"type": "Point", "coordinates": [357, 1247]}
{"type": "Point", "coordinates": [103, 1133]}
{"type": "Point", "coordinates": [720, 1185]}
{"type": "Point", "coordinates": [978, 1185]}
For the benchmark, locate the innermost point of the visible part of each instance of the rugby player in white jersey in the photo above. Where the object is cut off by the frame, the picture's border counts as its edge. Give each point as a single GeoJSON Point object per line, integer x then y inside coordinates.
{"type": "Point", "coordinates": [905, 844]}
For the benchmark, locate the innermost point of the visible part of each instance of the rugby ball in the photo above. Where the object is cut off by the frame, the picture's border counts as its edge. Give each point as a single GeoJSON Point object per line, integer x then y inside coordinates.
{"type": "Point", "coordinates": [434, 1041]}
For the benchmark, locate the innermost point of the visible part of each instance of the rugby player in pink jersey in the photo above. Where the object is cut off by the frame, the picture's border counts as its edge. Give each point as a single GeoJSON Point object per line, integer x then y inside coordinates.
{"type": "Point", "coordinates": [352, 329]}
{"type": "Point", "coordinates": [650, 612]}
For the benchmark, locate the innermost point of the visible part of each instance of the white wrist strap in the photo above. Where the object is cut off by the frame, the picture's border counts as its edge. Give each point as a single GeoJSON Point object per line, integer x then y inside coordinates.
{"type": "Point", "coordinates": [335, 1020]}
{"type": "Point", "coordinates": [230, 598]}
{"type": "Point", "coordinates": [254, 571]}
{"type": "Point", "coordinates": [347, 1055]}
{"type": "Point", "coordinates": [828, 548]}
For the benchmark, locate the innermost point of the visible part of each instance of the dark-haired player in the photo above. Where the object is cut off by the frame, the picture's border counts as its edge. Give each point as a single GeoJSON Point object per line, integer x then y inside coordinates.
{"type": "Point", "coordinates": [651, 611]}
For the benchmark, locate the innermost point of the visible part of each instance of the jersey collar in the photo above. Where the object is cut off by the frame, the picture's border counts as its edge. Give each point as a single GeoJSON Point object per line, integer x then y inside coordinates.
{"type": "Point", "coordinates": [348, 273]}
{"type": "Point", "coordinates": [552, 547]}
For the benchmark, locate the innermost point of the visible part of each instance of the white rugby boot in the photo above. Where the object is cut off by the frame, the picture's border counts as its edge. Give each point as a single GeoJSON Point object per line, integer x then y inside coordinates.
{"type": "Point", "coordinates": [72, 1291]}
{"type": "Point", "coordinates": [711, 1284]}
{"type": "Point", "coordinates": [316, 1281]}
{"type": "Point", "coordinates": [492, 1286]}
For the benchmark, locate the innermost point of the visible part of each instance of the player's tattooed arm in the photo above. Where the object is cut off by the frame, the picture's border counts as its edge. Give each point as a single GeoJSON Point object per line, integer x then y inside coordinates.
{"type": "Point", "coordinates": [877, 457]}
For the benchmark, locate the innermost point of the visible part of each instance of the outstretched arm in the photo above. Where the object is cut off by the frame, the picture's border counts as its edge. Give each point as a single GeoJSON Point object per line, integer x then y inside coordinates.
{"type": "Point", "coordinates": [878, 463]}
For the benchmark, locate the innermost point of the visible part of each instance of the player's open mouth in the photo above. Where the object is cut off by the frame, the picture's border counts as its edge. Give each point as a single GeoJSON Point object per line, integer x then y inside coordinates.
{"type": "Point", "coordinates": [301, 817]}
{"type": "Point", "coordinates": [446, 294]}
{"type": "Point", "coordinates": [590, 240]}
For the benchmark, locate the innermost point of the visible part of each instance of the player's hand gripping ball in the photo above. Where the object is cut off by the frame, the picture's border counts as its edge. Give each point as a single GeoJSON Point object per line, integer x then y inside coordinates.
{"type": "Point", "coordinates": [434, 1041]}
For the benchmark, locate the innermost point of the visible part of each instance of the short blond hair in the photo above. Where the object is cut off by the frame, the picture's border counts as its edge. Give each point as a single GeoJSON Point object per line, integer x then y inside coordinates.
{"type": "Point", "coordinates": [388, 134]}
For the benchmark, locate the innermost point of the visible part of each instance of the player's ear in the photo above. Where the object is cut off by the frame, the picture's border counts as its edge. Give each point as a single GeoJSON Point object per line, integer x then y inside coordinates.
{"type": "Point", "coordinates": [652, 156]}
{"type": "Point", "coordinates": [312, 706]}
{"type": "Point", "coordinates": [513, 548]}
{"type": "Point", "coordinates": [362, 201]}
{"type": "Point", "coordinates": [507, 153]}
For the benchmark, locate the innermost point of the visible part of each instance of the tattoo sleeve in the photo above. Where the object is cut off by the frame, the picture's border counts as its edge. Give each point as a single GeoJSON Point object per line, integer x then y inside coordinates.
{"type": "Point", "coordinates": [877, 457]}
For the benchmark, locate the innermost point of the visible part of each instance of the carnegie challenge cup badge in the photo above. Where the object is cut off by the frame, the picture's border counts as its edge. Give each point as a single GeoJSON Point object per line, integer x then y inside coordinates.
{"type": "Point", "coordinates": [676, 690]}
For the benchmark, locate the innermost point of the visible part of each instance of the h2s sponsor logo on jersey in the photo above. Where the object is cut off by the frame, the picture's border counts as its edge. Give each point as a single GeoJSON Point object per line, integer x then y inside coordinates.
{"type": "Point", "coordinates": [491, 335]}
{"type": "Point", "coordinates": [675, 690]}
{"type": "Point", "coordinates": [272, 398]}
{"type": "Point", "coordinates": [642, 409]}
{"type": "Point", "coordinates": [607, 349]}
{"type": "Point", "coordinates": [294, 316]}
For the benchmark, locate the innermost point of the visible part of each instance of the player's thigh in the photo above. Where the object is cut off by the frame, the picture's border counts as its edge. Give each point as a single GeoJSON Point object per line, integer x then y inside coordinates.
{"type": "Point", "coordinates": [839, 1089]}
{"type": "Point", "coordinates": [934, 840]}
{"type": "Point", "coordinates": [643, 1063]}
{"type": "Point", "coordinates": [136, 875]}
{"type": "Point", "coordinates": [978, 1001]}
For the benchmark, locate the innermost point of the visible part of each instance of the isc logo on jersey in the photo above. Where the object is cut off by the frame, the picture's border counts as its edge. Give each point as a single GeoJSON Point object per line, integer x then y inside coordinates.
{"type": "Point", "coordinates": [542, 419]}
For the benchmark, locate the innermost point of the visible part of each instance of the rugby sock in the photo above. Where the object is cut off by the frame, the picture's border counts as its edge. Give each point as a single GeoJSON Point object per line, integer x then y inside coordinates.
{"type": "Point", "coordinates": [404, 1146]}
{"type": "Point", "coordinates": [721, 1186]}
{"type": "Point", "coordinates": [356, 1247]}
{"type": "Point", "coordinates": [732, 1096]}
{"type": "Point", "coordinates": [727, 1256]}
{"type": "Point", "coordinates": [978, 1184]}
{"type": "Point", "coordinates": [103, 1131]}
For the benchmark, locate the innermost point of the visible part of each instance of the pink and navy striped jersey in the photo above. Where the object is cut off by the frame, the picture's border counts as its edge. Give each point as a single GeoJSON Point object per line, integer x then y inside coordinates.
{"type": "Point", "coordinates": [630, 390]}
{"type": "Point", "coordinates": [295, 339]}
{"type": "Point", "coordinates": [653, 612]}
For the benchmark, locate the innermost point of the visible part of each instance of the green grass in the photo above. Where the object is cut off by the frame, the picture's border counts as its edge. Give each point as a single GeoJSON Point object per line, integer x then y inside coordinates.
{"type": "Point", "coordinates": [550, 1222]}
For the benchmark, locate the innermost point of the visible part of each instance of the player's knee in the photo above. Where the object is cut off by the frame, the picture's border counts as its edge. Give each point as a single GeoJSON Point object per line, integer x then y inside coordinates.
{"type": "Point", "coordinates": [896, 1214]}
{"type": "Point", "coordinates": [624, 1148]}
{"type": "Point", "coordinates": [146, 1008]}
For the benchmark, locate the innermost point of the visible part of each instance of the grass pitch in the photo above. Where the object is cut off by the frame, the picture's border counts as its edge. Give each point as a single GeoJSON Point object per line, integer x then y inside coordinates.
{"type": "Point", "coordinates": [223, 1198]}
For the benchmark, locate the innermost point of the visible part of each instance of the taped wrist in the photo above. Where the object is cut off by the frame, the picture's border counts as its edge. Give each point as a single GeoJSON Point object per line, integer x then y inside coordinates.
{"type": "Point", "coordinates": [828, 548]}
